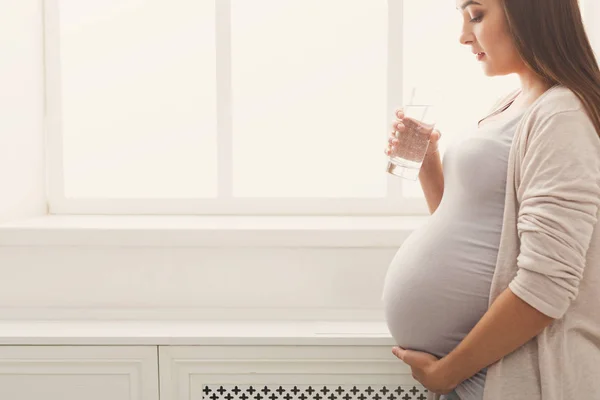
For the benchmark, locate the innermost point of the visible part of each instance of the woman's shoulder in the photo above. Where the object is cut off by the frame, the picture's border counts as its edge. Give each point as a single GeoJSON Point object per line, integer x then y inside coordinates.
{"type": "Point", "coordinates": [557, 111]}
{"type": "Point", "coordinates": [558, 100]}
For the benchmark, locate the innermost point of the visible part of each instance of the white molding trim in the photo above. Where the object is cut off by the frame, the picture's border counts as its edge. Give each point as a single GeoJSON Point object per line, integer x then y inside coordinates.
{"type": "Point", "coordinates": [215, 231]}
{"type": "Point", "coordinates": [395, 78]}
{"type": "Point", "coordinates": [254, 206]}
{"type": "Point", "coordinates": [195, 333]}
{"type": "Point", "coordinates": [71, 365]}
{"type": "Point", "coordinates": [224, 99]}
{"type": "Point", "coordinates": [189, 314]}
{"type": "Point", "coordinates": [53, 104]}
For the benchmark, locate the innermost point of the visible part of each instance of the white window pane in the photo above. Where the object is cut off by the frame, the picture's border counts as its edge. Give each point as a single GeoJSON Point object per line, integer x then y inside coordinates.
{"type": "Point", "coordinates": [440, 69]}
{"type": "Point", "coordinates": [138, 98]}
{"type": "Point", "coordinates": [309, 98]}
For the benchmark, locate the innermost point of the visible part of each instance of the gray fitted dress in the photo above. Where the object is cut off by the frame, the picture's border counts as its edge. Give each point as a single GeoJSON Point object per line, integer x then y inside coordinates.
{"type": "Point", "coordinates": [437, 286]}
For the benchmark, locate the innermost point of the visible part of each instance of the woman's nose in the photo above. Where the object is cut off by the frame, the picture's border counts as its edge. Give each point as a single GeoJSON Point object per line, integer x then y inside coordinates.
{"type": "Point", "coordinates": [465, 37]}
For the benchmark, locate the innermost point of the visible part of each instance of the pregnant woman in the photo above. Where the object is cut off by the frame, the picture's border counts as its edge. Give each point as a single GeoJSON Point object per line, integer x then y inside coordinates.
{"type": "Point", "coordinates": [497, 296]}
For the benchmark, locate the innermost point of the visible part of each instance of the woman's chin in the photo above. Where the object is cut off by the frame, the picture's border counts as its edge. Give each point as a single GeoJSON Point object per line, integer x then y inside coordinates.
{"type": "Point", "coordinates": [488, 71]}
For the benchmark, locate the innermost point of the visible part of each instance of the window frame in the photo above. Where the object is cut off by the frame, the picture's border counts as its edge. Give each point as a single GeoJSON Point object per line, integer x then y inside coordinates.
{"type": "Point", "coordinates": [225, 204]}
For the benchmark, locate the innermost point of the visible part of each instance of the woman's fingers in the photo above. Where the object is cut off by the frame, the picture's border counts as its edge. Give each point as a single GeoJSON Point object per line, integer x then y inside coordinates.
{"type": "Point", "coordinates": [392, 144]}
{"type": "Point", "coordinates": [398, 126]}
{"type": "Point", "coordinates": [403, 124]}
{"type": "Point", "coordinates": [410, 123]}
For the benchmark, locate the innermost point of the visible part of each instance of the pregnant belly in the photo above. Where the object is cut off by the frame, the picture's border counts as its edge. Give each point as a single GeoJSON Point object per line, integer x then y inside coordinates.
{"type": "Point", "coordinates": [436, 289]}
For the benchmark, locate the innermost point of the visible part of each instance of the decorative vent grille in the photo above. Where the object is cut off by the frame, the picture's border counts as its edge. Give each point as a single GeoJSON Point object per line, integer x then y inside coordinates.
{"type": "Point", "coordinates": [313, 392]}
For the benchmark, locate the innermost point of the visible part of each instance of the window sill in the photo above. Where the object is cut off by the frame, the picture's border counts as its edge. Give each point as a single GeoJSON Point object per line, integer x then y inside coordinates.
{"type": "Point", "coordinates": [188, 333]}
{"type": "Point", "coordinates": [210, 231]}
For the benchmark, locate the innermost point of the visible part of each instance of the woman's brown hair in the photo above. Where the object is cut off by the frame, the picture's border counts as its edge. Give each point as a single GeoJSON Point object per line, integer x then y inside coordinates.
{"type": "Point", "coordinates": [551, 39]}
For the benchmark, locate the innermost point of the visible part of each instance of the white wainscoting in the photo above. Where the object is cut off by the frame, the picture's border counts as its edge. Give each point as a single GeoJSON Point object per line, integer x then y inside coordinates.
{"type": "Point", "coordinates": [151, 360]}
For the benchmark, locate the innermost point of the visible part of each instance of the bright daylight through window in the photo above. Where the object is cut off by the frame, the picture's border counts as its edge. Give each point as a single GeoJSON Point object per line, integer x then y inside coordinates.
{"type": "Point", "coordinates": [237, 101]}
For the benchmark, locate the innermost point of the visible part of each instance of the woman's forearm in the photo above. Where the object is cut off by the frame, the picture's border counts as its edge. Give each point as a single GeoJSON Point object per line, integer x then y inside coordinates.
{"type": "Point", "coordinates": [431, 177]}
{"type": "Point", "coordinates": [507, 325]}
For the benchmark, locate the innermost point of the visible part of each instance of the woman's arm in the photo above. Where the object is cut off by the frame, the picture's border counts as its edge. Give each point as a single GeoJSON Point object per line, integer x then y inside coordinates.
{"type": "Point", "coordinates": [507, 325]}
{"type": "Point", "coordinates": [431, 177]}
{"type": "Point", "coordinates": [559, 198]}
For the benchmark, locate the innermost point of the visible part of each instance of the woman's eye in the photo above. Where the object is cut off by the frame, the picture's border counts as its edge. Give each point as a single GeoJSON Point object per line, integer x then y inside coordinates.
{"type": "Point", "coordinates": [477, 18]}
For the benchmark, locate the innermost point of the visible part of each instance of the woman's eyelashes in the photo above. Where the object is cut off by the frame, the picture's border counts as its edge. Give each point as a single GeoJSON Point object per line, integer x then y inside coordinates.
{"type": "Point", "coordinates": [477, 18]}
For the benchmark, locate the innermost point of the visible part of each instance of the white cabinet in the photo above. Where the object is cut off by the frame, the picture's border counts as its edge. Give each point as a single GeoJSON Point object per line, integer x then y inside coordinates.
{"type": "Point", "coordinates": [285, 373]}
{"type": "Point", "coordinates": [227, 360]}
{"type": "Point", "coordinates": [78, 372]}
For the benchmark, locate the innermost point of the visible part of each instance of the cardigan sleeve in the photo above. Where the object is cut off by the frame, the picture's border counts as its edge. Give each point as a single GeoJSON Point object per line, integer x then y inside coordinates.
{"type": "Point", "coordinates": [558, 197]}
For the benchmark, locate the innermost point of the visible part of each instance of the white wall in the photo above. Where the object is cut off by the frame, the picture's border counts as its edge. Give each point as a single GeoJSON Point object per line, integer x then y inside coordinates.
{"type": "Point", "coordinates": [22, 188]}
{"type": "Point", "coordinates": [591, 17]}
{"type": "Point", "coordinates": [167, 283]}
{"type": "Point", "coordinates": [183, 283]}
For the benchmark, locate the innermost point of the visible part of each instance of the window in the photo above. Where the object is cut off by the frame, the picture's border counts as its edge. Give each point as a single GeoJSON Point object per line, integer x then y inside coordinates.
{"type": "Point", "coordinates": [246, 106]}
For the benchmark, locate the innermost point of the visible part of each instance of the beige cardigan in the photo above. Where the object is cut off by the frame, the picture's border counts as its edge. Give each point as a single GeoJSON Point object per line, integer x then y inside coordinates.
{"type": "Point", "coordinates": [550, 253]}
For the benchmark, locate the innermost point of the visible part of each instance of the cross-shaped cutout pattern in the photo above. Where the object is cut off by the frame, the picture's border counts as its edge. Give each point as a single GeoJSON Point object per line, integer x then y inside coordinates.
{"type": "Point", "coordinates": [313, 392]}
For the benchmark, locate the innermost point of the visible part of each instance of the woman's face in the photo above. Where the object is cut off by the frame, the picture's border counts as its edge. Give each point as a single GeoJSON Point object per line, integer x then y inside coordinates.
{"type": "Point", "coordinates": [485, 30]}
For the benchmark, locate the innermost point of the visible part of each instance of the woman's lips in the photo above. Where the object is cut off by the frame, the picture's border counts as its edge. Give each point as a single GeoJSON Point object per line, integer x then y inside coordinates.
{"type": "Point", "coordinates": [480, 56]}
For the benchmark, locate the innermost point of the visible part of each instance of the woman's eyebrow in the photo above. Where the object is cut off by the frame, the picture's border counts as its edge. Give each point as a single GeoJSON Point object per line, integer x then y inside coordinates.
{"type": "Point", "coordinates": [469, 3]}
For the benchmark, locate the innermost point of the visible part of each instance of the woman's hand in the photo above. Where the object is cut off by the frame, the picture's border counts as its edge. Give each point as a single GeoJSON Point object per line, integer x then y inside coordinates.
{"type": "Point", "coordinates": [427, 370]}
{"type": "Point", "coordinates": [400, 125]}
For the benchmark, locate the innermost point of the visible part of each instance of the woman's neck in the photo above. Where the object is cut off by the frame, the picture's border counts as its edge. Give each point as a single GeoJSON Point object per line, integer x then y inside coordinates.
{"type": "Point", "coordinates": [532, 87]}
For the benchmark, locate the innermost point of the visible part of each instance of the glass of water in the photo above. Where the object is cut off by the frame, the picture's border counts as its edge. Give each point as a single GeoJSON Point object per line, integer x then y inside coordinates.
{"type": "Point", "coordinates": [413, 141]}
